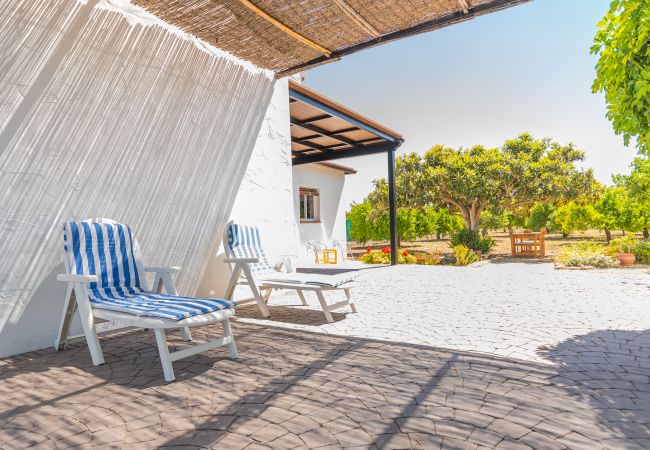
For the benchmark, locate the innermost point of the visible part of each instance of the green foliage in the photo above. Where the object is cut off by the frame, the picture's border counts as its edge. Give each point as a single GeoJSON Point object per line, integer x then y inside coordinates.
{"type": "Point", "coordinates": [641, 250]}
{"type": "Point", "coordinates": [464, 256]}
{"type": "Point", "coordinates": [624, 244]}
{"type": "Point", "coordinates": [495, 219]}
{"type": "Point", "coordinates": [362, 229]}
{"type": "Point", "coordinates": [637, 186]}
{"type": "Point", "coordinates": [521, 172]}
{"type": "Point", "coordinates": [472, 240]}
{"type": "Point", "coordinates": [585, 254]}
{"type": "Point", "coordinates": [573, 217]}
{"type": "Point", "coordinates": [539, 216]}
{"type": "Point", "coordinates": [622, 44]}
{"type": "Point", "coordinates": [616, 211]}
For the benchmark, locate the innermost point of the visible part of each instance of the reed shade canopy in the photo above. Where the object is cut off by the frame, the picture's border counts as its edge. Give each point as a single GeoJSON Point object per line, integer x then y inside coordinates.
{"type": "Point", "coordinates": [324, 130]}
{"type": "Point", "coordinates": [288, 36]}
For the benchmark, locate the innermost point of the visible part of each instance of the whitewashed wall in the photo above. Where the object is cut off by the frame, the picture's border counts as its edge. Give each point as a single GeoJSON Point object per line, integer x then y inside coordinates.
{"type": "Point", "coordinates": [265, 197]}
{"type": "Point", "coordinates": [330, 182]}
{"type": "Point", "coordinates": [106, 113]}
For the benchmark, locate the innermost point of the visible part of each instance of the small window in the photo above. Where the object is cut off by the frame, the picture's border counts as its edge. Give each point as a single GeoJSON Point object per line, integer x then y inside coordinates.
{"type": "Point", "coordinates": [309, 205]}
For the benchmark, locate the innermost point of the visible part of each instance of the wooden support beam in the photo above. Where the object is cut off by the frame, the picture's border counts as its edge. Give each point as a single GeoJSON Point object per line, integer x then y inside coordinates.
{"type": "Point", "coordinates": [357, 18]}
{"type": "Point", "coordinates": [275, 22]}
{"type": "Point", "coordinates": [323, 132]}
{"type": "Point", "coordinates": [360, 150]}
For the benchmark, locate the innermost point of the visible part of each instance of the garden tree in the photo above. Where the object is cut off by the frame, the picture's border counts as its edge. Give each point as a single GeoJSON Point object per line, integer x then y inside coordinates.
{"type": "Point", "coordinates": [539, 216]}
{"type": "Point", "coordinates": [573, 216]}
{"type": "Point", "coordinates": [523, 171]}
{"type": "Point", "coordinates": [410, 185]}
{"type": "Point", "coordinates": [495, 219]}
{"type": "Point", "coordinates": [622, 44]}
{"type": "Point", "coordinates": [361, 227]}
{"type": "Point", "coordinates": [616, 211]}
{"type": "Point", "coordinates": [637, 184]}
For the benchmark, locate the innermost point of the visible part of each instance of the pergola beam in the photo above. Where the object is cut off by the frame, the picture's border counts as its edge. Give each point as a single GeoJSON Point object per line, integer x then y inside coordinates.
{"type": "Point", "coordinates": [360, 150]}
{"type": "Point", "coordinates": [464, 5]}
{"type": "Point", "coordinates": [357, 18]}
{"type": "Point", "coordinates": [275, 22]}
{"type": "Point", "coordinates": [323, 132]}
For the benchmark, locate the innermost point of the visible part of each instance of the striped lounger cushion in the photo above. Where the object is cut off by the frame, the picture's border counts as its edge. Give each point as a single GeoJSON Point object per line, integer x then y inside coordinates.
{"type": "Point", "coordinates": [244, 242]}
{"type": "Point", "coordinates": [110, 251]}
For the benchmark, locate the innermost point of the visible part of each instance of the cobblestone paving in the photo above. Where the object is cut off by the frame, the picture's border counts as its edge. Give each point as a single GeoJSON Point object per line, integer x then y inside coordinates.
{"type": "Point", "coordinates": [585, 383]}
{"type": "Point", "coordinates": [509, 309]}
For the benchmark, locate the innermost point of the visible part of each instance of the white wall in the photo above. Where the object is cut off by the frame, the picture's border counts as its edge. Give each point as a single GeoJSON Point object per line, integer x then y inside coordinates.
{"type": "Point", "coordinates": [101, 116]}
{"type": "Point", "coordinates": [330, 182]}
{"type": "Point", "coordinates": [265, 197]}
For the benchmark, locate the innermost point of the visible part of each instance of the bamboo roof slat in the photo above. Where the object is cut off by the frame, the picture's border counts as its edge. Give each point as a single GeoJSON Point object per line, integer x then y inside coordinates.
{"type": "Point", "coordinates": [288, 36]}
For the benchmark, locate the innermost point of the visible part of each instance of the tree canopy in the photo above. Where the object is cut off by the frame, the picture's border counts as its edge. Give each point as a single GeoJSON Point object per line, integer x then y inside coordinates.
{"type": "Point", "coordinates": [622, 44]}
{"type": "Point", "coordinates": [517, 175]}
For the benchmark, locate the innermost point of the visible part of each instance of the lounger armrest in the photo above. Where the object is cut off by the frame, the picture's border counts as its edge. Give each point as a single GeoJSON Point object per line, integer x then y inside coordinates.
{"type": "Point", "coordinates": [288, 255]}
{"type": "Point", "coordinates": [76, 278]}
{"type": "Point", "coordinates": [241, 260]}
{"type": "Point", "coordinates": [162, 269]}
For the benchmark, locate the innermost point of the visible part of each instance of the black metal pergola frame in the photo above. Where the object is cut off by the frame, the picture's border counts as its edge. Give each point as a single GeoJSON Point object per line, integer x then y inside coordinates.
{"type": "Point", "coordinates": [385, 142]}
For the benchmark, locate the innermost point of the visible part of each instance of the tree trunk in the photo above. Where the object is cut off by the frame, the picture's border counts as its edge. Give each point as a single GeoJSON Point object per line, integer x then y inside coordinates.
{"type": "Point", "coordinates": [438, 236]}
{"type": "Point", "coordinates": [472, 216]}
{"type": "Point", "coordinates": [646, 233]}
{"type": "Point", "coordinates": [608, 235]}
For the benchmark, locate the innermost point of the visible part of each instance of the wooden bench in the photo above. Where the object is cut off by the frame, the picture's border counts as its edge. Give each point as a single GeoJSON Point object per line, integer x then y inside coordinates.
{"type": "Point", "coordinates": [528, 243]}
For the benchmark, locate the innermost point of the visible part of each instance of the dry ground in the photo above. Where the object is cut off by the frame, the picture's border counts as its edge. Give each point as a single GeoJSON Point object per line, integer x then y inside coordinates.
{"type": "Point", "coordinates": [554, 241]}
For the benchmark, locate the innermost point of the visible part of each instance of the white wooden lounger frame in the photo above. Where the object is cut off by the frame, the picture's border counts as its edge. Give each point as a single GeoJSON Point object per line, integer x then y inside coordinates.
{"type": "Point", "coordinates": [77, 299]}
{"type": "Point", "coordinates": [242, 274]}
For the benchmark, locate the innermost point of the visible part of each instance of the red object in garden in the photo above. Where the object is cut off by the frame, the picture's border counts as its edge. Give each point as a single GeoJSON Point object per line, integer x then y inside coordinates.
{"type": "Point", "coordinates": [405, 253]}
{"type": "Point", "coordinates": [368, 250]}
{"type": "Point", "coordinates": [386, 249]}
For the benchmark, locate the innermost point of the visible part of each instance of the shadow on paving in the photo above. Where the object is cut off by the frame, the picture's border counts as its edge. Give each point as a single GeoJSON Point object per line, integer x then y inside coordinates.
{"type": "Point", "coordinates": [294, 389]}
{"type": "Point", "coordinates": [294, 314]}
{"type": "Point", "coordinates": [610, 370]}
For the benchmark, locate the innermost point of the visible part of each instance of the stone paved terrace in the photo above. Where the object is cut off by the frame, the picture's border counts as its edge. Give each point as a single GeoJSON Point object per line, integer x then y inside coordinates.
{"type": "Point", "coordinates": [499, 356]}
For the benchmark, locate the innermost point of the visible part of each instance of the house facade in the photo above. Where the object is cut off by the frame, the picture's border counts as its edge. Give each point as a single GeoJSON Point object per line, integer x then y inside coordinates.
{"type": "Point", "coordinates": [320, 206]}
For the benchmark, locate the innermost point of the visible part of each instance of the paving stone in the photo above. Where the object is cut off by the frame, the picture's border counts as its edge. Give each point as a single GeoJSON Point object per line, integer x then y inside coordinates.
{"type": "Point", "coordinates": [549, 365]}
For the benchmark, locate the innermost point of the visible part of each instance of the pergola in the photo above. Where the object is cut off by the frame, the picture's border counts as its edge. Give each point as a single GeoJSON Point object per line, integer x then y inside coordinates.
{"type": "Point", "coordinates": [324, 130]}
{"type": "Point", "coordinates": [290, 36]}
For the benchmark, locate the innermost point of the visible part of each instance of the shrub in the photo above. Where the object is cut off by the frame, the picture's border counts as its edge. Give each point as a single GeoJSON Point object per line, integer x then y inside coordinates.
{"type": "Point", "coordinates": [383, 257]}
{"type": "Point", "coordinates": [540, 216]}
{"type": "Point", "coordinates": [586, 254]}
{"type": "Point", "coordinates": [472, 239]}
{"type": "Point", "coordinates": [464, 256]}
{"type": "Point", "coordinates": [642, 252]}
{"type": "Point", "coordinates": [625, 244]}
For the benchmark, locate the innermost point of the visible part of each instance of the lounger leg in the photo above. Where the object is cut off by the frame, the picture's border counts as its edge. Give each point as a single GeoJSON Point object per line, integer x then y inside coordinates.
{"type": "Point", "coordinates": [227, 332]}
{"type": "Point", "coordinates": [302, 297]}
{"type": "Point", "coordinates": [256, 293]}
{"type": "Point", "coordinates": [165, 280]}
{"type": "Point", "coordinates": [267, 295]}
{"type": "Point", "coordinates": [88, 322]}
{"type": "Point", "coordinates": [163, 350]}
{"type": "Point", "coordinates": [323, 304]}
{"type": "Point", "coordinates": [66, 318]}
{"type": "Point", "coordinates": [348, 296]}
{"type": "Point", "coordinates": [185, 334]}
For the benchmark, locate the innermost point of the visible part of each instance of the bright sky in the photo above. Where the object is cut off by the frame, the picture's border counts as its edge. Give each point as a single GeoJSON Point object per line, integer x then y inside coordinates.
{"type": "Point", "coordinates": [527, 68]}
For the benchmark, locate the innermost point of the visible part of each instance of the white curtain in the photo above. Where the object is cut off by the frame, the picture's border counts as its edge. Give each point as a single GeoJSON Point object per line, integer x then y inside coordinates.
{"type": "Point", "coordinates": [103, 115]}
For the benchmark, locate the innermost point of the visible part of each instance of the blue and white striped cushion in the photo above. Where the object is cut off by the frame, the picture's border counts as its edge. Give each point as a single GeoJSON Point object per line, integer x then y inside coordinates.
{"type": "Point", "coordinates": [111, 252]}
{"type": "Point", "coordinates": [244, 242]}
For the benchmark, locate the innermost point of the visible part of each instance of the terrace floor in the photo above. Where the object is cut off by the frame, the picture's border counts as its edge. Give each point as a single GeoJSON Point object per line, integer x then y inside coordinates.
{"type": "Point", "coordinates": [498, 356]}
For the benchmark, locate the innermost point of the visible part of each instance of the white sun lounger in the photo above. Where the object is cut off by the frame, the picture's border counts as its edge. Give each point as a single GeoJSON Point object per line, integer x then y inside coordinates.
{"type": "Point", "coordinates": [251, 267]}
{"type": "Point", "coordinates": [105, 276]}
